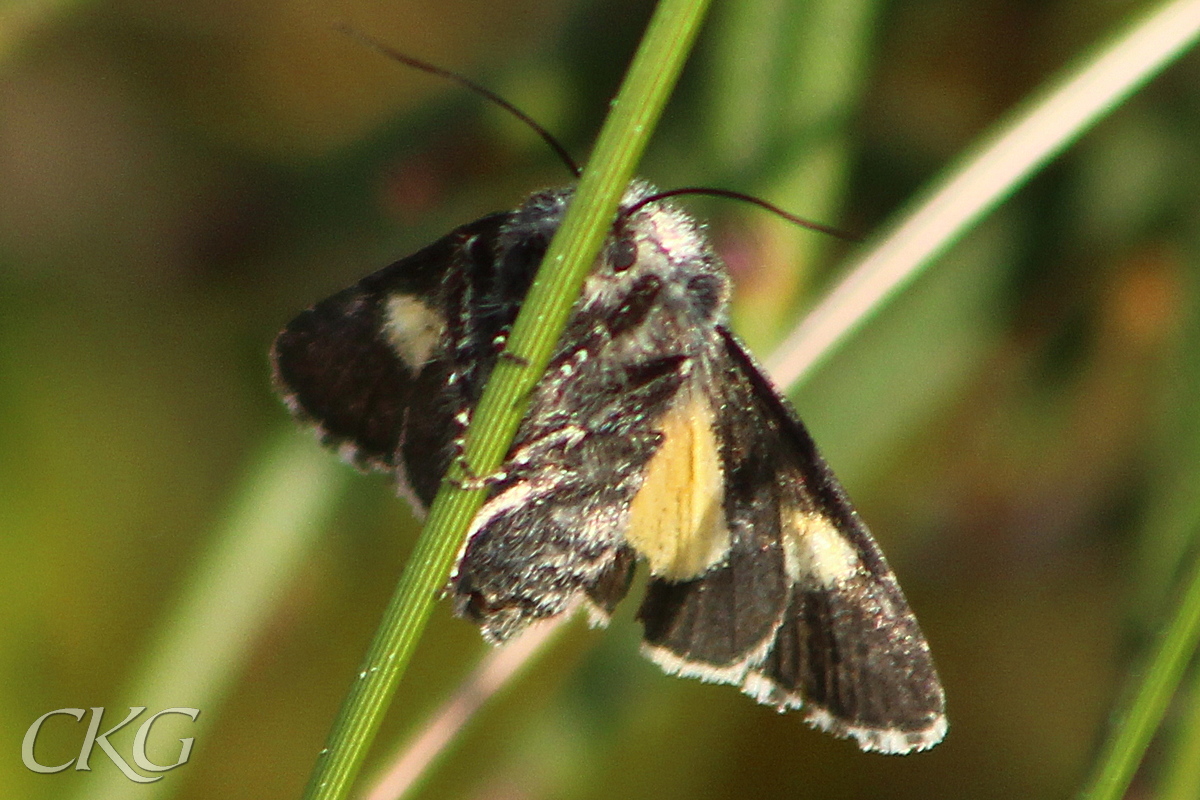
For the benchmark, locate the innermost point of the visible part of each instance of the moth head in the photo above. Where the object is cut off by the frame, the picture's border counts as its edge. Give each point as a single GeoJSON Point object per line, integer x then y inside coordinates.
{"type": "Point", "coordinates": [651, 243]}
{"type": "Point", "coordinates": [655, 243]}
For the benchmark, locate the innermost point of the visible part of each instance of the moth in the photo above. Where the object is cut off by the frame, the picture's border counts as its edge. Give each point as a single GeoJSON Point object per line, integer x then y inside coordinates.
{"type": "Point", "coordinates": [653, 438]}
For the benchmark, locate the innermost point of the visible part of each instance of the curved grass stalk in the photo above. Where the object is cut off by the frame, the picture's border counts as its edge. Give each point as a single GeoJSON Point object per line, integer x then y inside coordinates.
{"type": "Point", "coordinates": [1136, 725]}
{"type": "Point", "coordinates": [638, 105]}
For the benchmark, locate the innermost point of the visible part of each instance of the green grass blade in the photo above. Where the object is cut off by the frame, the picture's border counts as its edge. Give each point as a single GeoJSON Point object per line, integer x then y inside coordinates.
{"type": "Point", "coordinates": [1169, 536]}
{"type": "Point", "coordinates": [1133, 731]}
{"type": "Point", "coordinates": [1182, 766]}
{"type": "Point", "coordinates": [647, 85]}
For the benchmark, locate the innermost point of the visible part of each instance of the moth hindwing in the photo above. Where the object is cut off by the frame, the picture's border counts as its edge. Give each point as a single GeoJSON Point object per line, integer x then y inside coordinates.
{"type": "Point", "coordinates": [653, 437]}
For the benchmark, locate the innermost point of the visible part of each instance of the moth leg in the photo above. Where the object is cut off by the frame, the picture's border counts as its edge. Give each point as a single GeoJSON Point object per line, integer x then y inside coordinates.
{"type": "Point", "coordinates": [470, 481]}
{"type": "Point", "coordinates": [509, 355]}
{"type": "Point", "coordinates": [499, 347]}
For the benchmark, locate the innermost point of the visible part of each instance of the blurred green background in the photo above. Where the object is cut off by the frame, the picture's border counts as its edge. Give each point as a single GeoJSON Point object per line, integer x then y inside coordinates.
{"type": "Point", "coordinates": [1020, 429]}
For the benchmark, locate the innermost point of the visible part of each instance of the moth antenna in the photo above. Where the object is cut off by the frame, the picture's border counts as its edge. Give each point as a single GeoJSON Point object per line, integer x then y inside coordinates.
{"type": "Point", "coordinates": [482, 91]}
{"type": "Point", "coordinates": [745, 198]}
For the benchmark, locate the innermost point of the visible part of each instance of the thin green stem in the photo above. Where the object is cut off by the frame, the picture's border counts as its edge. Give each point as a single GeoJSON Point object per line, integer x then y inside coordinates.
{"type": "Point", "coordinates": [1181, 779]}
{"type": "Point", "coordinates": [644, 93]}
{"type": "Point", "coordinates": [1133, 731]}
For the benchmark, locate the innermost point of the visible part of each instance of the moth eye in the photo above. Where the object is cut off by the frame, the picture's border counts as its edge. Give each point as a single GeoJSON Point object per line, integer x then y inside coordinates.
{"type": "Point", "coordinates": [624, 254]}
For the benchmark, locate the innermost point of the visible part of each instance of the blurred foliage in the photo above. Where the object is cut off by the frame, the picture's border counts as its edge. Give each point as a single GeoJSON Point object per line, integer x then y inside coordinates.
{"type": "Point", "coordinates": [1019, 429]}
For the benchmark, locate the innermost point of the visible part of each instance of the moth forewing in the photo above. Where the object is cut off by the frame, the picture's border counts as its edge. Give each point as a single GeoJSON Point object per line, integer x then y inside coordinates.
{"type": "Point", "coordinates": [850, 651]}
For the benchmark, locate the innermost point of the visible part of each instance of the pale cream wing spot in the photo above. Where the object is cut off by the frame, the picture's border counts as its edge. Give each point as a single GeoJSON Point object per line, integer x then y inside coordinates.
{"type": "Point", "coordinates": [815, 552]}
{"type": "Point", "coordinates": [677, 519]}
{"type": "Point", "coordinates": [413, 329]}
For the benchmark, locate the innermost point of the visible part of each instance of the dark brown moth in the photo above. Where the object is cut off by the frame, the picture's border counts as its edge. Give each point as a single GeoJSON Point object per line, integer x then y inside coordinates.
{"type": "Point", "coordinates": [653, 438]}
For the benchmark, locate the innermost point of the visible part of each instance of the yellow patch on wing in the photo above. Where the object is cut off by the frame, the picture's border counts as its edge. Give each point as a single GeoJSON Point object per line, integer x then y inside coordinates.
{"type": "Point", "coordinates": [677, 519]}
{"type": "Point", "coordinates": [815, 551]}
{"type": "Point", "coordinates": [412, 328]}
